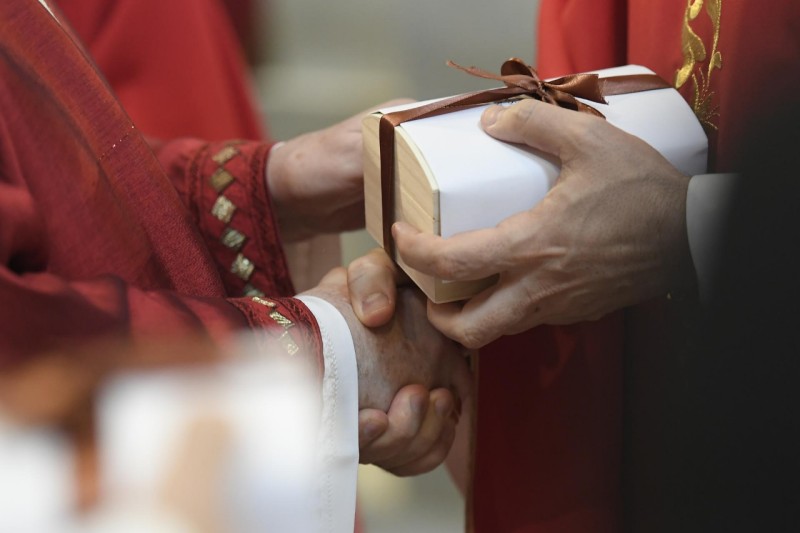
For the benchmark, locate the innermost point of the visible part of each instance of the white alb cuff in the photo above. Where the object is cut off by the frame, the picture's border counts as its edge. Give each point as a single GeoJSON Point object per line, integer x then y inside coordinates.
{"type": "Point", "coordinates": [708, 200]}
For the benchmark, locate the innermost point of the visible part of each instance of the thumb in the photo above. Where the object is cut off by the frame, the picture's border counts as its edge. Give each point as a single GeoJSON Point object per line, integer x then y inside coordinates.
{"type": "Point", "coordinates": [539, 125]}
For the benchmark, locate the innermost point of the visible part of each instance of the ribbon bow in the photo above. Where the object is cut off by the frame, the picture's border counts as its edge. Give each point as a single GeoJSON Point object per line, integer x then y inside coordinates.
{"type": "Point", "coordinates": [520, 80]}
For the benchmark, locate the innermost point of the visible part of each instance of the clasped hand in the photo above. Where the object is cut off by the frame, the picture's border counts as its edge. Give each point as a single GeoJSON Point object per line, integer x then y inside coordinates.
{"type": "Point", "coordinates": [403, 427]}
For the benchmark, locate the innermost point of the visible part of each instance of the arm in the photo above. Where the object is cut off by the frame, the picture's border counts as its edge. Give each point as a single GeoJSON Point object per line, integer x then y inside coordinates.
{"type": "Point", "coordinates": [223, 186]}
{"type": "Point", "coordinates": [246, 197]}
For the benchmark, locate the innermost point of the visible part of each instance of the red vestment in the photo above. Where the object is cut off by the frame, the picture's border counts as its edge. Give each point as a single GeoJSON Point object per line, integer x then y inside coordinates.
{"type": "Point", "coordinates": [178, 69]}
{"type": "Point", "coordinates": [551, 452]}
{"type": "Point", "coordinates": [101, 237]}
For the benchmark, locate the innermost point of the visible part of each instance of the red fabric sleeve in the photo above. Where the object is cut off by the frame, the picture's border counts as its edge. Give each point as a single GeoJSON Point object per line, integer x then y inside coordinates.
{"type": "Point", "coordinates": [94, 240]}
{"type": "Point", "coordinates": [224, 186]}
{"type": "Point", "coordinates": [43, 312]}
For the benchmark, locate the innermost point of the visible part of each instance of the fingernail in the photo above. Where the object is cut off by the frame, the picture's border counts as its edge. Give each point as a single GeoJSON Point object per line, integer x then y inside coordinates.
{"type": "Point", "coordinates": [418, 403]}
{"type": "Point", "coordinates": [491, 115]}
{"type": "Point", "coordinates": [374, 302]}
{"type": "Point", "coordinates": [442, 407]}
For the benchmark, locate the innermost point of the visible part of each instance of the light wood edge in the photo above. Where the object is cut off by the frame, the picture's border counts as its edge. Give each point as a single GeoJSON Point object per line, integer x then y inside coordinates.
{"type": "Point", "coordinates": [417, 202]}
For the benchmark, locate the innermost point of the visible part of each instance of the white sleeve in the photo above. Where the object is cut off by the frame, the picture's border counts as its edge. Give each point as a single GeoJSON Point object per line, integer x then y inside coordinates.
{"type": "Point", "coordinates": [338, 436]}
{"type": "Point", "coordinates": [708, 200]}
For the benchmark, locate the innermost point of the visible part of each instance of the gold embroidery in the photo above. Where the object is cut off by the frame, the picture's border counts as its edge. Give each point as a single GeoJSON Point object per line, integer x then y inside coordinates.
{"type": "Point", "coordinates": [223, 209]}
{"type": "Point", "coordinates": [232, 238]}
{"type": "Point", "coordinates": [262, 301]}
{"type": "Point", "coordinates": [286, 338]}
{"type": "Point", "coordinates": [242, 267]}
{"type": "Point", "coordinates": [280, 319]}
{"type": "Point", "coordinates": [225, 155]}
{"type": "Point", "coordinates": [694, 52]}
{"type": "Point", "coordinates": [220, 179]}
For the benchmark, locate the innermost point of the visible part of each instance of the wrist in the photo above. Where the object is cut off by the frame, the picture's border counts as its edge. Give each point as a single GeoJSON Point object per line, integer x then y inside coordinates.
{"type": "Point", "coordinates": [278, 177]}
{"type": "Point", "coordinates": [358, 334]}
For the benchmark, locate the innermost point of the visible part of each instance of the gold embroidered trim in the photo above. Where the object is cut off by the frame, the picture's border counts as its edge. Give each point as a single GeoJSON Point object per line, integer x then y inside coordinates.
{"type": "Point", "coordinates": [220, 179]}
{"type": "Point", "coordinates": [232, 239]}
{"type": "Point", "coordinates": [242, 267]}
{"type": "Point", "coordinates": [250, 290]}
{"type": "Point", "coordinates": [280, 319]}
{"type": "Point", "coordinates": [225, 155]}
{"type": "Point", "coordinates": [286, 339]}
{"type": "Point", "coordinates": [262, 301]}
{"type": "Point", "coordinates": [223, 209]}
{"type": "Point", "coordinates": [694, 52]}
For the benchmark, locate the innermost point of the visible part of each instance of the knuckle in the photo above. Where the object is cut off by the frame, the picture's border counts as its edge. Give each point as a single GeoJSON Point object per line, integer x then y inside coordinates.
{"type": "Point", "coordinates": [522, 113]}
{"type": "Point", "coordinates": [472, 337]}
{"type": "Point", "coordinates": [589, 131]}
{"type": "Point", "coordinates": [448, 266]}
{"type": "Point", "coordinates": [364, 272]}
{"type": "Point", "coordinates": [360, 265]}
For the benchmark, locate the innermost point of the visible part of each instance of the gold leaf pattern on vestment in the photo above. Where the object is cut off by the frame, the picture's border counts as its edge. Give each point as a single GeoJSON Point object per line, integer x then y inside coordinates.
{"type": "Point", "coordinates": [694, 54]}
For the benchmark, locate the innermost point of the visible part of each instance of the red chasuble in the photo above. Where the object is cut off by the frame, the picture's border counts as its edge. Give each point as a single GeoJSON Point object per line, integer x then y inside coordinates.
{"type": "Point", "coordinates": [103, 238]}
{"type": "Point", "coordinates": [557, 440]}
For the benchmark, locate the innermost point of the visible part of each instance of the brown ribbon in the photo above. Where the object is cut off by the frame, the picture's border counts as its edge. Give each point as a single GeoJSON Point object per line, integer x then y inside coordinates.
{"type": "Point", "coordinates": [520, 79]}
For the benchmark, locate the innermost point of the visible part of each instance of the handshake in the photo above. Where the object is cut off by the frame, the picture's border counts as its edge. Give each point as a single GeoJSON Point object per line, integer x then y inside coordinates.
{"type": "Point", "coordinates": [412, 380]}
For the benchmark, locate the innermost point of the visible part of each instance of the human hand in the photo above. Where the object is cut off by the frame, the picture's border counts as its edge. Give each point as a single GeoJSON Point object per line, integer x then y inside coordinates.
{"type": "Point", "coordinates": [403, 428]}
{"type": "Point", "coordinates": [416, 434]}
{"type": "Point", "coordinates": [609, 234]}
{"type": "Point", "coordinates": [316, 180]}
{"type": "Point", "coordinates": [372, 282]}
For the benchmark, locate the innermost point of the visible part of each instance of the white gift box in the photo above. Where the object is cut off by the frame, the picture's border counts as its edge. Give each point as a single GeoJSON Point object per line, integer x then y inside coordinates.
{"type": "Point", "coordinates": [450, 176]}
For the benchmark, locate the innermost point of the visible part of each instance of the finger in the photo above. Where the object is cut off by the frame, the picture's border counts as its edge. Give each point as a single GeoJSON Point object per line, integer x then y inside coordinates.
{"type": "Point", "coordinates": [506, 308]}
{"type": "Point", "coordinates": [406, 416]}
{"type": "Point", "coordinates": [539, 125]}
{"type": "Point", "coordinates": [429, 446]}
{"type": "Point", "coordinates": [372, 282]}
{"type": "Point", "coordinates": [434, 457]}
{"type": "Point", "coordinates": [335, 279]}
{"type": "Point", "coordinates": [466, 256]}
{"type": "Point", "coordinates": [372, 423]}
{"type": "Point", "coordinates": [438, 417]}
